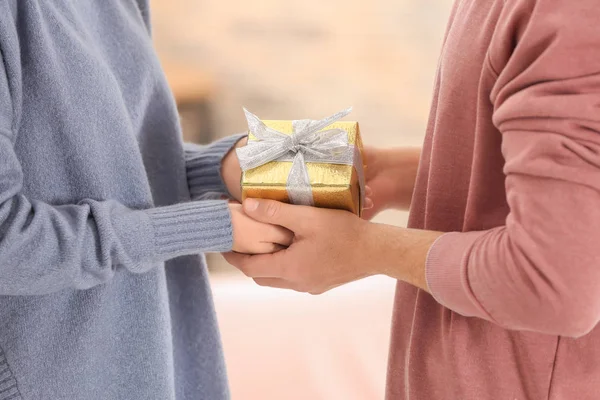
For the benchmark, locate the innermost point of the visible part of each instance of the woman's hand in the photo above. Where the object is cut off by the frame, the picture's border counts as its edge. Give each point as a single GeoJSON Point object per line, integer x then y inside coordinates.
{"type": "Point", "coordinates": [254, 237]}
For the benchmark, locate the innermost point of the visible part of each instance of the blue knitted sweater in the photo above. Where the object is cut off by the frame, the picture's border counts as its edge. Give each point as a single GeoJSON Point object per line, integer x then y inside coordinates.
{"type": "Point", "coordinates": [104, 213]}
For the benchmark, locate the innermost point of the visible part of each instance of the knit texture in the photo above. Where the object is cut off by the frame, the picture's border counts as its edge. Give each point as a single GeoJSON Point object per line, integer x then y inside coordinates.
{"type": "Point", "coordinates": [510, 168]}
{"type": "Point", "coordinates": [203, 172]}
{"type": "Point", "coordinates": [103, 289]}
{"type": "Point", "coordinates": [8, 384]}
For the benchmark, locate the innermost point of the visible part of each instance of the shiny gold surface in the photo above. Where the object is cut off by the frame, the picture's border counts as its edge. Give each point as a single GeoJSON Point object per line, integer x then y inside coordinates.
{"type": "Point", "coordinates": [334, 186]}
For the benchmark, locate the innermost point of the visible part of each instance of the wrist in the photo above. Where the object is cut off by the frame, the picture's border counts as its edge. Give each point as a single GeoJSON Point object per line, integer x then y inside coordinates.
{"type": "Point", "coordinates": [231, 171]}
{"type": "Point", "coordinates": [399, 253]}
{"type": "Point", "coordinates": [372, 245]}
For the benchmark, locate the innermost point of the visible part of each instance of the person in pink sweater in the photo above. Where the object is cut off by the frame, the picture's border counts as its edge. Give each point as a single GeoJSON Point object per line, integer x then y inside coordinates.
{"type": "Point", "coordinates": [498, 292]}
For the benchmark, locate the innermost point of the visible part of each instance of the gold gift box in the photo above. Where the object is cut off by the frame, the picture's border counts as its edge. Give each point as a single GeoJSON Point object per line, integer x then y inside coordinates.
{"type": "Point", "coordinates": [333, 186]}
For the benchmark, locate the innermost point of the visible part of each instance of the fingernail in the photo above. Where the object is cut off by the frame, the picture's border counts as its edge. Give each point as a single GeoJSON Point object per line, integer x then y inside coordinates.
{"type": "Point", "coordinates": [250, 205]}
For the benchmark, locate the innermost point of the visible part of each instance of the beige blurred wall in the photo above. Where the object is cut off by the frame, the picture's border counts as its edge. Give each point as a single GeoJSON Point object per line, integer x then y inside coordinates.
{"type": "Point", "coordinates": [286, 59]}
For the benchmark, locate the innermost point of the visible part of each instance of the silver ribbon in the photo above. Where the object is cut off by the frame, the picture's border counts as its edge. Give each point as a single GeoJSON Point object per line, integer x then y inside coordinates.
{"type": "Point", "coordinates": [309, 142]}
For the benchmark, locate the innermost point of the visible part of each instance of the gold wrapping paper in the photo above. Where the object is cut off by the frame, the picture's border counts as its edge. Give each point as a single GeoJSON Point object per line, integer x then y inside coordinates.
{"type": "Point", "coordinates": [333, 186]}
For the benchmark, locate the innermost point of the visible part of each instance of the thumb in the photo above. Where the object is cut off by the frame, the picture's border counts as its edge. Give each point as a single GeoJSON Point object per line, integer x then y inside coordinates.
{"type": "Point", "coordinates": [274, 212]}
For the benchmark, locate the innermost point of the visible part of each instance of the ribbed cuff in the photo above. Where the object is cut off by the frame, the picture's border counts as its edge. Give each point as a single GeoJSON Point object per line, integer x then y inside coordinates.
{"type": "Point", "coordinates": [203, 165]}
{"type": "Point", "coordinates": [446, 272]}
{"type": "Point", "coordinates": [8, 384]}
{"type": "Point", "coordinates": [191, 228]}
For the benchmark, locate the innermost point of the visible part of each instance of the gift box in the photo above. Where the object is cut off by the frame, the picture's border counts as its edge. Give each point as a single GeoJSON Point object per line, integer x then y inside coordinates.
{"type": "Point", "coordinates": [316, 163]}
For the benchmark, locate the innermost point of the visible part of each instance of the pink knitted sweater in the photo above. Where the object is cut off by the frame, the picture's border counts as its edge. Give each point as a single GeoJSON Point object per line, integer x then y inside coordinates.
{"type": "Point", "coordinates": [511, 165]}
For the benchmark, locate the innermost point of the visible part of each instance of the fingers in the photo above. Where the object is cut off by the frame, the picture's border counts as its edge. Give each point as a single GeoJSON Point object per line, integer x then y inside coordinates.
{"type": "Point", "coordinates": [274, 212]}
{"type": "Point", "coordinates": [256, 266]}
{"type": "Point", "coordinates": [274, 283]}
{"type": "Point", "coordinates": [368, 198]}
{"type": "Point", "coordinates": [234, 258]}
{"type": "Point", "coordinates": [281, 236]}
{"type": "Point", "coordinates": [254, 237]}
{"type": "Point", "coordinates": [369, 213]}
{"type": "Point", "coordinates": [368, 202]}
{"type": "Point", "coordinates": [271, 239]}
{"type": "Point", "coordinates": [268, 248]}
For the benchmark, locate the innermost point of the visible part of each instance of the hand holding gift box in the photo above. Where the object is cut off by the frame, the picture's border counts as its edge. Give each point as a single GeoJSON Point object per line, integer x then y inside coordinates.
{"type": "Point", "coordinates": [320, 163]}
{"type": "Point", "coordinates": [305, 162]}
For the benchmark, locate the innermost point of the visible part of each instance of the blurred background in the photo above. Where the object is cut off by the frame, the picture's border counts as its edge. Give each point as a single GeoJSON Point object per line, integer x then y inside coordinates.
{"type": "Point", "coordinates": [296, 59]}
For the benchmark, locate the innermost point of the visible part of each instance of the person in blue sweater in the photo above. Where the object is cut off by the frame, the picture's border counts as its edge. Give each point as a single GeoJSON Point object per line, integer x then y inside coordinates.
{"type": "Point", "coordinates": [105, 213]}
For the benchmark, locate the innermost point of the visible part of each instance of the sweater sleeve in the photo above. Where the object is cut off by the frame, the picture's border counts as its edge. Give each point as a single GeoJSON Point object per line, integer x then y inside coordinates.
{"type": "Point", "coordinates": [541, 271]}
{"type": "Point", "coordinates": [45, 248]}
{"type": "Point", "coordinates": [203, 166]}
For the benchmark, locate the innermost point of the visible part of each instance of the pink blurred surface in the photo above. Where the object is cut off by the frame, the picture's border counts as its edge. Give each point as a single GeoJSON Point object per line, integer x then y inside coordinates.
{"type": "Point", "coordinates": [286, 345]}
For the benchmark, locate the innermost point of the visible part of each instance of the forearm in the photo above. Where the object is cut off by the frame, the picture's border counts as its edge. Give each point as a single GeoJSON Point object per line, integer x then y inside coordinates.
{"type": "Point", "coordinates": [506, 275]}
{"type": "Point", "coordinates": [399, 252]}
{"type": "Point", "coordinates": [45, 248]}
{"type": "Point", "coordinates": [536, 273]}
{"type": "Point", "coordinates": [407, 161]}
{"type": "Point", "coordinates": [212, 169]}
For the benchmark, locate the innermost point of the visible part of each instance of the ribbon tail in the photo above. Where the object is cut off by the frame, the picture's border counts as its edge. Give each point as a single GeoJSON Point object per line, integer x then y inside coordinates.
{"type": "Point", "coordinates": [298, 183]}
{"type": "Point", "coordinates": [316, 126]}
{"type": "Point", "coordinates": [260, 130]}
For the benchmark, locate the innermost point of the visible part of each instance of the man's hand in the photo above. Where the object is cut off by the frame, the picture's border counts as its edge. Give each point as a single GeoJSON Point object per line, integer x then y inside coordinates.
{"type": "Point", "coordinates": [254, 237]}
{"type": "Point", "coordinates": [231, 171]}
{"type": "Point", "coordinates": [331, 248]}
{"type": "Point", "coordinates": [328, 250]}
{"type": "Point", "coordinates": [390, 176]}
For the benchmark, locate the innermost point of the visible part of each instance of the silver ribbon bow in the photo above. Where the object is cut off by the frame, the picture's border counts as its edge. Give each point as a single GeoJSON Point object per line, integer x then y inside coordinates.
{"type": "Point", "coordinates": [309, 142]}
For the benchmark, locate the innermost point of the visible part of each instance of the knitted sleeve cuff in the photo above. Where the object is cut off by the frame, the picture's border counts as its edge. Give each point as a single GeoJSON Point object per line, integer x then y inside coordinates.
{"type": "Point", "coordinates": [187, 228]}
{"type": "Point", "coordinates": [203, 167]}
{"type": "Point", "coordinates": [446, 273]}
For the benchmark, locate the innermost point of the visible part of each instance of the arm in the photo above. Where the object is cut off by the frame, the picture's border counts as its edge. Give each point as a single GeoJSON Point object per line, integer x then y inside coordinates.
{"type": "Point", "coordinates": [331, 248]}
{"type": "Point", "coordinates": [541, 271]}
{"type": "Point", "coordinates": [213, 171]}
{"type": "Point", "coordinates": [45, 248]}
